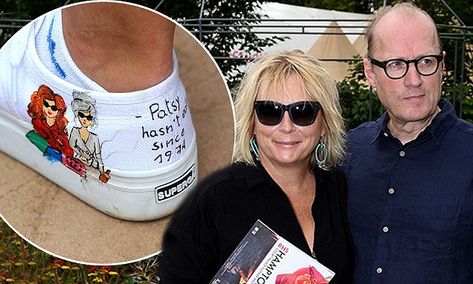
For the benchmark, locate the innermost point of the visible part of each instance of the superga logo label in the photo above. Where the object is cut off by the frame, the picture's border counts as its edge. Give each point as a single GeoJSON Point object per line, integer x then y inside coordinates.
{"type": "Point", "coordinates": [177, 186]}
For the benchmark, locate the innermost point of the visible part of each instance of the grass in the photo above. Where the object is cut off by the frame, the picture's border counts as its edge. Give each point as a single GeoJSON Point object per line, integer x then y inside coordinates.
{"type": "Point", "coordinates": [23, 263]}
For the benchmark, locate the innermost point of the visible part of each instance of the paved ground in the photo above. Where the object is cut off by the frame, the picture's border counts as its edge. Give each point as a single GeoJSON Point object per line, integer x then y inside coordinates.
{"type": "Point", "coordinates": [61, 224]}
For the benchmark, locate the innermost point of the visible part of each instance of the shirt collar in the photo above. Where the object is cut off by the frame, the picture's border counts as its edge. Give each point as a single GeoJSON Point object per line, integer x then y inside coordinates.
{"type": "Point", "coordinates": [255, 175]}
{"type": "Point", "coordinates": [382, 128]}
{"type": "Point", "coordinates": [437, 128]}
{"type": "Point", "coordinates": [442, 122]}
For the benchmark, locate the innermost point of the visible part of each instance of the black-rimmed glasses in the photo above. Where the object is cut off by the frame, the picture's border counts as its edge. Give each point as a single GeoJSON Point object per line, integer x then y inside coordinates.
{"type": "Point", "coordinates": [398, 68]}
{"type": "Point", "coordinates": [302, 113]}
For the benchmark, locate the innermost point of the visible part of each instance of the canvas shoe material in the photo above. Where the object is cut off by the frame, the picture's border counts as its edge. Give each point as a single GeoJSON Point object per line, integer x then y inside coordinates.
{"type": "Point", "coordinates": [131, 155]}
{"type": "Point", "coordinates": [53, 53]}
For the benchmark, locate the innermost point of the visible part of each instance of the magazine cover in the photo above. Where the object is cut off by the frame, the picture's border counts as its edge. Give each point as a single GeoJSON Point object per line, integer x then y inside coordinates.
{"type": "Point", "coordinates": [264, 257]}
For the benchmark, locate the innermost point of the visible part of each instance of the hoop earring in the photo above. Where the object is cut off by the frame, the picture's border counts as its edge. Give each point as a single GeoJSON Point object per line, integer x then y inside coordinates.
{"type": "Point", "coordinates": [254, 148]}
{"type": "Point", "coordinates": [322, 149]}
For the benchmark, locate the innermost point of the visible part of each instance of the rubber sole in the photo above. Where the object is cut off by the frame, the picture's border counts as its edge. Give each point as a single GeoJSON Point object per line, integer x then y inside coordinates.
{"type": "Point", "coordinates": [128, 195]}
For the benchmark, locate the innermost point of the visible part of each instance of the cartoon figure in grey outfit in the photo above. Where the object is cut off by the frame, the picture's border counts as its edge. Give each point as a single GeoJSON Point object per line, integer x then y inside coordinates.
{"type": "Point", "coordinates": [86, 144]}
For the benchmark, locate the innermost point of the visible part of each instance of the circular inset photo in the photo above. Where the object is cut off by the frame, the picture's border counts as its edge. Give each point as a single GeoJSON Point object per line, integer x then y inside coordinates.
{"type": "Point", "coordinates": [108, 123]}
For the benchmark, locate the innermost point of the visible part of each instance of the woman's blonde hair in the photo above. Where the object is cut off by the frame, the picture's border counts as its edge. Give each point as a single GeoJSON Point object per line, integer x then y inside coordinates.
{"type": "Point", "coordinates": [270, 74]}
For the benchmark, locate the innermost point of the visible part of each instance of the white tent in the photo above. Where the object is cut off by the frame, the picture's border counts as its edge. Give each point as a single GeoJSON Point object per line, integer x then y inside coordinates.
{"type": "Point", "coordinates": [330, 47]}
{"type": "Point", "coordinates": [360, 45]}
{"type": "Point", "coordinates": [304, 27]}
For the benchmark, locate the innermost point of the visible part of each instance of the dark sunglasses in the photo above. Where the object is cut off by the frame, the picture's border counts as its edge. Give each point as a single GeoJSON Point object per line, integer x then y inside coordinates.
{"type": "Point", "coordinates": [301, 113]}
{"type": "Point", "coordinates": [82, 115]}
{"type": "Point", "coordinates": [52, 107]}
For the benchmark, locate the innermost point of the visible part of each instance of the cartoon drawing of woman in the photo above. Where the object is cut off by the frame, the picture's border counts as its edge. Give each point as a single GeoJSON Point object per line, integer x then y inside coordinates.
{"type": "Point", "coordinates": [47, 111]}
{"type": "Point", "coordinates": [86, 144]}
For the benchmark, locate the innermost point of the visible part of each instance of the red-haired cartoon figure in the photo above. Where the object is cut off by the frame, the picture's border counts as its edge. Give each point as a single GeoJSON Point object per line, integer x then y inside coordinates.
{"type": "Point", "coordinates": [47, 111]}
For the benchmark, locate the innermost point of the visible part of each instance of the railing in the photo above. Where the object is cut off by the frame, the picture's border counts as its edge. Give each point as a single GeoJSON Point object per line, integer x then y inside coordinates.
{"type": "Point", "coordinates": [460, 35]}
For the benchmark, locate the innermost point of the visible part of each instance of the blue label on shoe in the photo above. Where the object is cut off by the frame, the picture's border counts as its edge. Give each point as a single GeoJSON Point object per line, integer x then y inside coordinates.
{"type": "Point", "coordinates": [177, 186]}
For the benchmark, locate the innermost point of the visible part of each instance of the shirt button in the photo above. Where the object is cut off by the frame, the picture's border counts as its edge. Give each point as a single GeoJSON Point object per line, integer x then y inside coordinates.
{"type": "Point", "coordinates": [385, 229]}
{"type": "Point", "coordinates": [385, 134]}
{"type": "Point", "coordinates": [402, 153]}
{"type": "Point", "coordinates": [391, 190]}
{"type": "Point", "coordinates": [379, 270]}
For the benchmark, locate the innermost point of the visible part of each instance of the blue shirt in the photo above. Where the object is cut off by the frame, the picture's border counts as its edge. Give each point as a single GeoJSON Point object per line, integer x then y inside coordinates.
{"type": "Point", "coordinates": [410, 207]}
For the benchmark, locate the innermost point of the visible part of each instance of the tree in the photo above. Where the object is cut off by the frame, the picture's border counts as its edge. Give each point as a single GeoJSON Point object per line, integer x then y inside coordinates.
{"type": "Point", "coordinates": [220, 37]}
{"type": "Point", "coordinates": [362, 6]}
{"type": "Point", "coordinates": [359, 102]}
{"type": "Point", "coordinates": [437, 9]}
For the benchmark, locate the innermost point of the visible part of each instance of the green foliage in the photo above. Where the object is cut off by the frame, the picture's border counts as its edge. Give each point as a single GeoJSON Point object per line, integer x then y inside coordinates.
{"type": "Point", "coordinates": [146, 271]}
{"type": "Point", "coordinates": [23, 263]}
{"type": "Point", "coordinates": [437, 9]}
{"type": "Point", "coordinates": [461, 96]}
{"type": "Point", "coordinates": [359, 103]}
{"type": "Point", "coordinates": [220, 37]}
{"type": "Point", "coordinates": [29, 9]}
{"type": "Point", "coordinates": [220, 40]}
{"type": "Point", "coordinates": [362, 6]}
{"type": "Point", "coordinates": [24, 10]}
{"type": "Point", "coordinates": [439, 12]}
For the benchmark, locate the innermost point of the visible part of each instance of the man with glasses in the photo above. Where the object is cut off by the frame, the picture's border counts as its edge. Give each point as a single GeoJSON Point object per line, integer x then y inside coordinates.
{"type": "Point", "coordinates": [410, 173]}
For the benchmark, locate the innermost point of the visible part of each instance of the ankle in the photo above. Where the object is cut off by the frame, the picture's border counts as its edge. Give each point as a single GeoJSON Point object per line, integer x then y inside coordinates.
{"type": "Point", "coordinates": [128, 52]}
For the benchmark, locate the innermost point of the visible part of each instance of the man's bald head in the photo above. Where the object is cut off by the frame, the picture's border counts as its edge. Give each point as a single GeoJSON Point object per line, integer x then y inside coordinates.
{"type": "Point", "coordinates": [399, 13]}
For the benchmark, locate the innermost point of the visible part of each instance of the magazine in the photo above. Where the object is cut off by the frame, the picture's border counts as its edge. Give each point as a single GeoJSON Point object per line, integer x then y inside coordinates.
{"type": "Point", "coordinates": [264, 257]}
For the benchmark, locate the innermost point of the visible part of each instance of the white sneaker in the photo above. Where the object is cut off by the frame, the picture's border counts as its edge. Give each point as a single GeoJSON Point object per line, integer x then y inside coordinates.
{"type": "Point", "coordinates": [132, 156]}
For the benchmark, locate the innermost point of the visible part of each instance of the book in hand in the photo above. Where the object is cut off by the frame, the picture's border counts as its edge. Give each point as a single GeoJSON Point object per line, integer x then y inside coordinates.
{"type": "Point", "coordinates": [264, 257]}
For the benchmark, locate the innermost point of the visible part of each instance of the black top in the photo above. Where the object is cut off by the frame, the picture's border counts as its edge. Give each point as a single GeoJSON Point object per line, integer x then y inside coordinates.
{"type": "Point", "coordinates": [220, 211]}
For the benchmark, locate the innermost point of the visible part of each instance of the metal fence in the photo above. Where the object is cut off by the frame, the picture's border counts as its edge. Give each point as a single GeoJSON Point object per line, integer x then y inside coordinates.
{"type": "Point", "coordinates": [458, 36]}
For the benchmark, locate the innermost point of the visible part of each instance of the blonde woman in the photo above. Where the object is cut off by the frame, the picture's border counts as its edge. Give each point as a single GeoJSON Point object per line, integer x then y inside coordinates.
{"type": "Point", "coordinates": [290, 137]}
{"type": "Point", "coordinates": [85, 143]}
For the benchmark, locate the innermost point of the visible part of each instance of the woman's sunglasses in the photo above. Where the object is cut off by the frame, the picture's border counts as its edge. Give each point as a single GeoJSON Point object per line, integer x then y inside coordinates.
{"type": "Point", "coordinates": [52, 107]}
{"type": "Point", "coordinates": [82, 115]}
{"type": "Point", "coordinates": [301, 113]}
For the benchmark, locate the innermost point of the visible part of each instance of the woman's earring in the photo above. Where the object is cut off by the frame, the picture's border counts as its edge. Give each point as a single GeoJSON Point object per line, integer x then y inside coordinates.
{"type": "Point", "coordinates": [321, 153]}
{"type": "Point", "coordinates": [254, 147]}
